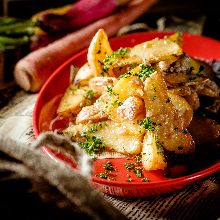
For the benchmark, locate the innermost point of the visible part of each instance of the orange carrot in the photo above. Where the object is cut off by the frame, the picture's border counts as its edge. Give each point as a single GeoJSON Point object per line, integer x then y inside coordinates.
{"type": "Point", "coordinates": [34, 69]}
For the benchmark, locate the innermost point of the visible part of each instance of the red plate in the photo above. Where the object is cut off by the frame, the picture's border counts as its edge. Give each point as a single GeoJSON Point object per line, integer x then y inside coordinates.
{"type": "Point", "coordinates": [45, 111]}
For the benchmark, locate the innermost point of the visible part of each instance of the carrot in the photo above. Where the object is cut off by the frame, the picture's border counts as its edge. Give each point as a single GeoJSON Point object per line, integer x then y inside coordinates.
{"type": "Point", "coordinates": [31, 72]}
{"type": "Point", "coordinates": [80, 14]}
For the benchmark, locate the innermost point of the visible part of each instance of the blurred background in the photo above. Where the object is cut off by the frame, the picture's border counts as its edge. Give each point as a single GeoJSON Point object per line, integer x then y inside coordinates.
{"type": "Point", "coordinates": [172, 11]}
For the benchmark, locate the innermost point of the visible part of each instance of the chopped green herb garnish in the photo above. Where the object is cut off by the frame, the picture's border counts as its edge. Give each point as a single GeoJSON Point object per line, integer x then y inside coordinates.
{"type": "Point", "coordinates": [148, 124]}
{"type": "Point", "coordinates": [201, 68]}
{"type": "Point", "coordinates": [89, 95]}
{"type": "Point", "coordinates": [192, 78]}
{"type": "Point", "coordinates": [93, 129]}
{"type": "Point", "coordinates": [168, 100]}
{"type": "Point", "coordinates": [144, 73]}
{"type": "Point", "coordinates": [145, 179]}
{"type": "Point", "coordinates": [109, 166]}
{"type": "Point", "coordinates": [138, 171]}
{"type": "Point", "coordinates": [129, 166]}
{"type": "Point", "coordinates": [185, 131]}
{"type": "Point", "coordinates": [93, 144]}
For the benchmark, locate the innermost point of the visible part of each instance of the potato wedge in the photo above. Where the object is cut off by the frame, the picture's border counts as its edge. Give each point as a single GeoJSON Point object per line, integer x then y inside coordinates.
{"type": "Point", "coordinates": [132, 107]}
{"type": "Point", "coordinates": [91, 114]}
{"type": "Point", "coordinates": [185, 111]}
{"type": "Point", "coordinates": [97, 52]}
{"type": "Point", "coordinates": [74, 99]}
{"type": "Point", "coordinates": [121, 114]}
{"type": "Point", "coordinates": [126, 87]}
{"type": "Point", "coordinates": [112, 135]}
{"type": "Point", "coordinates": [152, 153]}
{"type": "Point", "coordinates": [152, 51]}
{"type": "Point", "coordinates": [99, 84]}
{"type": "Point", "coordinates": [161, 112]}
{"type": "Point", "coordinates": [84, 74]}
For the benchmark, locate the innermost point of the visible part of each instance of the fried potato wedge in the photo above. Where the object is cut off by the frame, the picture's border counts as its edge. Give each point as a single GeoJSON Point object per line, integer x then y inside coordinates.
{"type": "Point", "coordinates": [185, 111]}
{"type": "Point", "coordinates": [152, 155]}
{"type": "Point", "coordinates": [112, 134]}
{"type": "Point", "coordinates": [74, 99]}
{"type": "Point", "coordinates": [97, 52]}
{"type": "Point", "coordinates": [122, 114]}
{"type": "Point", "coordinates": [152, 51]}
{"type": "Point", "coordinates": [91, 114]}
{"type": "Point", "coordinates": [126, 87]}
{"type": "Point", "coordinates": [131, 108]}
{"type": "Point", "coordinates": [100, 84]}
{"type": "Point", "coordinates": [164, 117]}
{"type": "Point", "coordinates": [83, 76]}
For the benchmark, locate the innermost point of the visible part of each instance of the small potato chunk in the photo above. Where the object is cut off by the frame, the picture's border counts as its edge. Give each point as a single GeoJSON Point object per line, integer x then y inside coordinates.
{"type": "Point", "coordinates": [74, 99]}
{"type": "Point", "coordinates": [152, 155]}
{"type": "Point", "coordinates": [99, 84]}
{"type": "Point", "coordinates": [91, 114]}
{"type": "Point", "coordinates": [84, 74]}
{"type": "Point", "coordinates": [97, 52]}
{"type": "Point", "coordinates": [112, 135]}
{"type": "Point", "coordinates": [185, 111]}
{"type": "Point", "coordinates": [162, 113]}
{"type": "Point", "coordinates": [131, 108]}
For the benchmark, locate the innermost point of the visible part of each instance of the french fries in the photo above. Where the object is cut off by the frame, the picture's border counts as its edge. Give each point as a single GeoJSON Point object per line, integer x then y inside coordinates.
{"type": "Point", "coordinates": [138, 100]}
